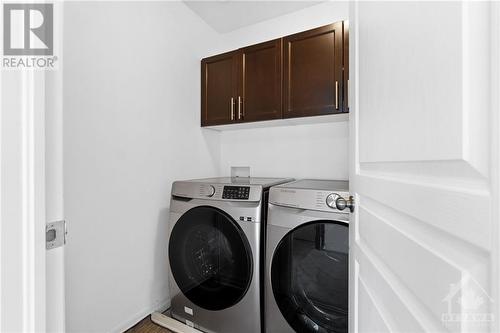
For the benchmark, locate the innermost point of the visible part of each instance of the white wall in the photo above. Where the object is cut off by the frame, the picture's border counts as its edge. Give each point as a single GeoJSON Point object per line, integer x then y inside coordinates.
{"type": "Point", "coordinates": [131, 127]}
{"type": "Point", "coordinates": [302, 151]}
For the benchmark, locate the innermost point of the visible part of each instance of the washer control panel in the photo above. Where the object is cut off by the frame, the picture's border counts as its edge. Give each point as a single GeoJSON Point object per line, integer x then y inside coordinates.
{"type": "Point", "coordinates": [207, 190]}
{"type": "Point", "coordinates": [229, 192]}
{"type": "Point", "coordinates": [236, 192]}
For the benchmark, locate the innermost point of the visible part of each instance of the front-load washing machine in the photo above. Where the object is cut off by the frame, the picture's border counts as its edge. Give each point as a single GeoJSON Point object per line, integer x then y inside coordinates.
{"type": "Point", "coordinates": [307, 257]}
{"type": "Point", "coordinates": [216, 246]}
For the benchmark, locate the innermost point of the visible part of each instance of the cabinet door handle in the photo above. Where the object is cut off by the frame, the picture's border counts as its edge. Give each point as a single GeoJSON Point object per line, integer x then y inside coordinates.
{"type": "Point", "coordinates": [232, 108]}
{"type": "Point", "coordinates": [240, 115]}
{"type": "Point", "coordinates": [242, 108]}
{"type": "Point", "coordinates": [336, 95]}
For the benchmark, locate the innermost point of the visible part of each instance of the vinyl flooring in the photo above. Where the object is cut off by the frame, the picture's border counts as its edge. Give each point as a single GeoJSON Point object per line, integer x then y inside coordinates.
{"type": "Point", "coordinates": [147, 326]}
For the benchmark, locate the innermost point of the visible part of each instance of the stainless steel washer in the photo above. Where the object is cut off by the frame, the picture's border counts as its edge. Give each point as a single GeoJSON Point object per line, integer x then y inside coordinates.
{"type": "Point", "coordinates": [215, 252]}
{"type": "Point", "coordinates": [307, 257]}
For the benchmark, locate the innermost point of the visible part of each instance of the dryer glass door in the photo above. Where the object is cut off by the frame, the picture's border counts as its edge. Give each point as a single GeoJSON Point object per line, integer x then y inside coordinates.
{"type": "Point", "coordinates": [210, 258]}
{"type": "Point", "coordinates": [309, 277]}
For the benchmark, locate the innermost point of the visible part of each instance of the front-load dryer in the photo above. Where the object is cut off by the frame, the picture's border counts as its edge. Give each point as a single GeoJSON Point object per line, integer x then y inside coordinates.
{"type": "Point", "coordinates": [307, 258]}
{"type": "Point", "coordinates": [216, 233]}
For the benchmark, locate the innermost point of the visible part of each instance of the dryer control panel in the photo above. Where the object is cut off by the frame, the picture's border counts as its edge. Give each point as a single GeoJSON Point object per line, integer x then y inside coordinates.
{"type": "Point", "coordinates": [313, 194]}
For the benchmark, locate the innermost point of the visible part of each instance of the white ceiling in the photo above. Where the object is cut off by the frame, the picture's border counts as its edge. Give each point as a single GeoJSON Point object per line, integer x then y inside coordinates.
{"type": "Point", "coordinates": [225, 16]}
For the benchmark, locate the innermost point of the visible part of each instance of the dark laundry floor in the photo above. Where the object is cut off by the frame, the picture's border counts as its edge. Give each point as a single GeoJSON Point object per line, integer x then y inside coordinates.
{"type": "Point", "coordinates": [147, 326]}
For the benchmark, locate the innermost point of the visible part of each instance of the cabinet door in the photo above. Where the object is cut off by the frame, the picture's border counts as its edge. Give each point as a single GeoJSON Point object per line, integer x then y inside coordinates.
{"type": "Point", "coordinates": [259, 93]}
{"type": "Point", "coordinates": [313, 72]}
{"type": "Point", "coordinates": [219, 89]}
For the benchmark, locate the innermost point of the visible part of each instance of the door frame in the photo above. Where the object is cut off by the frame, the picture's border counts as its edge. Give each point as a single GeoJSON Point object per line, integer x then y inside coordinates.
{"type": "Point", "coordinates": [495, 156]}
{"type": "Point", "coordinates": [22, 206]}
{"type": "Point", "coordinates": [31, 176]}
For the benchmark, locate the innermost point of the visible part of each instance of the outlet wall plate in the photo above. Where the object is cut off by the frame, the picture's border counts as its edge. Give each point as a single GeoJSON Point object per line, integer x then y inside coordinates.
{"type": "Point", "coordinates": [55, 234]}
{"type": "Point", "coordinates": [240, 172]}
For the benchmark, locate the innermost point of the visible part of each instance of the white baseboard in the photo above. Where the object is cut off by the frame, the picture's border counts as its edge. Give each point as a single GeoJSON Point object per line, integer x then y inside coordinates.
{"type": "Point", "coordinates": [160, 307]}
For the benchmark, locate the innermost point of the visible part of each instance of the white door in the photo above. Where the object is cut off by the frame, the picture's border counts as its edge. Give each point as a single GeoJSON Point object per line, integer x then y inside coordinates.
{"type": "Point", "coordinates": [424, 167]}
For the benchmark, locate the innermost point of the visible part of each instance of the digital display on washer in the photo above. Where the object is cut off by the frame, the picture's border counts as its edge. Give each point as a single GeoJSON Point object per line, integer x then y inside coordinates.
{"type": "Point", "coordinates": [236, 192]}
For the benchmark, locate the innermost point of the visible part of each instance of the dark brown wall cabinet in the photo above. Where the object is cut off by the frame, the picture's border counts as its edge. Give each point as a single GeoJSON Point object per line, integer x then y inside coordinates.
{"type": "Point", "coordinates": [313, 72]}
{"type": "Point", "coordinates": [243, 85]}
{"type": "Point", "coordinates": [299, 75]}
{"type": "Point", "coordinates": [260, 81]}
{"type": "Point", "coordinates": [345, 86]}
{"type": "Point", "coordinates": [219, 77]}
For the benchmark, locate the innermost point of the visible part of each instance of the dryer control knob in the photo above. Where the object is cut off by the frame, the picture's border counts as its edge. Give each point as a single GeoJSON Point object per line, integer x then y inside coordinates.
{"type": "Point", "coordinates": [331, 200]}
{"type": "Point", "coordinates": [210, 191]}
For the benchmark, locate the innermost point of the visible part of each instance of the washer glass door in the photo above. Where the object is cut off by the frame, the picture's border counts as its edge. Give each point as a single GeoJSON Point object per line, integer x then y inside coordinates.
{"type": "Point", "coordinates": [210, 258]}
{"type": "Point", "coordinates": [309, 277]}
